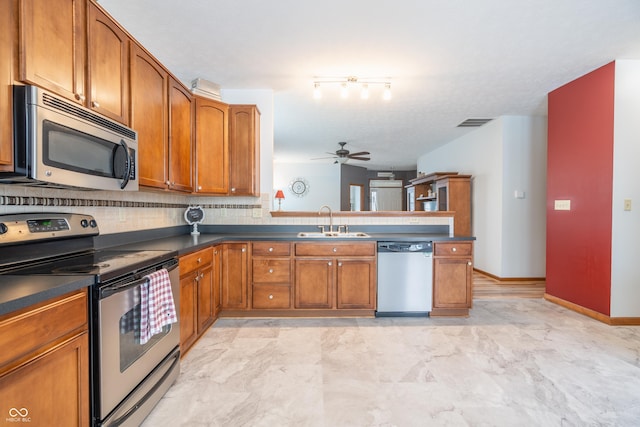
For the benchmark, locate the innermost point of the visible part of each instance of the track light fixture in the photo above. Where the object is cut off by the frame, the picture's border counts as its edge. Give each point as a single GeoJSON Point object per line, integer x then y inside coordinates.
{"type": "Point", "coordinates": [352, 82]}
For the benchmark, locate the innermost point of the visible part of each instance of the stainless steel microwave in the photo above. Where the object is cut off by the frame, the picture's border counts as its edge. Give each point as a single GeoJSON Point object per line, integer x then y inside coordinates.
{"type": "Point", "coordinates": [58, 143]}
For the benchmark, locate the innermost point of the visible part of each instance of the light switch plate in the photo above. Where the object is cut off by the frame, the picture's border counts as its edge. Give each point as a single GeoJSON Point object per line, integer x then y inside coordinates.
{"type": "Point", "coordinates": [627, 204]}
{"type": "Point", "coordinates": [562, 205]}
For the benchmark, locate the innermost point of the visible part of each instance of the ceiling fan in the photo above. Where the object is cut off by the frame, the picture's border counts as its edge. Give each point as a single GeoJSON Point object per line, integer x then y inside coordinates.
{"type": "Point", "coordinates": [342, 155]}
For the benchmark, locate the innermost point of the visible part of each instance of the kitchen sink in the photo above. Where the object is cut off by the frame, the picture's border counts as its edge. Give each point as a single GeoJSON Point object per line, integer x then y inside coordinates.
{"type": "Point", "coordinates": [332, 234]}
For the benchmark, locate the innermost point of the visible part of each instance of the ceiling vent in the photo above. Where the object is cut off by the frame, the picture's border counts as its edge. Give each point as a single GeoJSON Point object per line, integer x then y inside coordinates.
{"type": "Point", "coordinates": [473, 123]}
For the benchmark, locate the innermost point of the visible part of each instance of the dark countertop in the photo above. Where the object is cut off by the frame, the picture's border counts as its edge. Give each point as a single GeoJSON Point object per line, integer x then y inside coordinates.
{"type": "Point", "coordinates": [18, 292]}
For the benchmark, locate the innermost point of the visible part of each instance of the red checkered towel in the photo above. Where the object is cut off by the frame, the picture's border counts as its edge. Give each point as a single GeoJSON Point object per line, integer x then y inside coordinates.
{"type": "Point", "coordinates": [157, 308]}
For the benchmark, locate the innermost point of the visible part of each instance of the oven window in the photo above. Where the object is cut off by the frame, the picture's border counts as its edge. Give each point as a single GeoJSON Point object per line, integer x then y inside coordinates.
{"type": "Point", "coordinates": [130, 347]}
{"type": "Point", "coordinates": [70, 149]}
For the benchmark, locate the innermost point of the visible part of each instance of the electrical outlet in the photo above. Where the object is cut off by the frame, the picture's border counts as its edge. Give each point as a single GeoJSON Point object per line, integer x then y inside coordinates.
{"type": "Point", "coordinates": [627, 204]}
{"type": "Point", "coordinates": [413, 221]}
{"type": "Point", "coordinates": [562, 205]}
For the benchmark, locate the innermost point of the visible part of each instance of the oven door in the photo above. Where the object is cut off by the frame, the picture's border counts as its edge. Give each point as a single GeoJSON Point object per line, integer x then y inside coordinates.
{"type": "Point", "coordinates": [123, 363]}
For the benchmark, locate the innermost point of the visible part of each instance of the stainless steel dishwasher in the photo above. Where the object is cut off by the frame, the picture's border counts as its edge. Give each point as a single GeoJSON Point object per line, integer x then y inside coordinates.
{"type": "Point", "coordinates": [405, 278]}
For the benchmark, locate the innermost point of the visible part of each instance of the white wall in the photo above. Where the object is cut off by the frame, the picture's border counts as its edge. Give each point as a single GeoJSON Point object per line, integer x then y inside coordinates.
{"type": "Point", "coordinates": [625, 285]}
{"type": "Point", "coordinates": [505, 155]}
{"type": "Point", "coordinates": [324, 185]}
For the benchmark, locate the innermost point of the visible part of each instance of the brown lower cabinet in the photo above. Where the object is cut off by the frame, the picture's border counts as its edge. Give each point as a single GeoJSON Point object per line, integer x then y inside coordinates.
{"type": "Point", "coordinates": [44, 363]}
{"type": "Point", "coordinates": [335, 275]}
{"type": "Point", "coordinates": [452, 277]}
{"type": "Point", "coordinates": [197, 296]}
{"type": "Point", "coordinates": [235, 258]}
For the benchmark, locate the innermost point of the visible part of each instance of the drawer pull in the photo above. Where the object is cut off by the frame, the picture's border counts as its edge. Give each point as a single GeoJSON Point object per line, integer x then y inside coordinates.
{"type": "Point", "coordinates": [270, 249]}
{"type": "Point", "coordinates": [244, 249]}
{"type": "Point", "coordinates": [335, 249]}
{"type": "Point", "coordinates": [453, 249]}
{"type": "Point", "coordinates": [271, 270]}
{"type": "Point", "coordinates": [199, 260]}
{"type": "Point", "coordinates": [329, 263]}
{"type": "Point", "coordinates": [270, 296]}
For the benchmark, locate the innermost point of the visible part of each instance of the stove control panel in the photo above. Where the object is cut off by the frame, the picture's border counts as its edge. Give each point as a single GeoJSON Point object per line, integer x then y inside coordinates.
{"type": "Point", "coordinates": [25, 228]}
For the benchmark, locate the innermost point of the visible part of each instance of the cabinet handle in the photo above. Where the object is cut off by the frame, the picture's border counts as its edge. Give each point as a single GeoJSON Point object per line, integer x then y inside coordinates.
{"type": "Point", "coordinates": [335, 249]}
{"type": "Point", "coordinates": [202, 275]}
{"type": "Point", "coordinates": [168, 183]}
{"type": "Point", "coordinates": [339, 264]}
{"type": "Point", "coordinates": [80, 97]}
{"type": "Point", "coordinates": [469, 263]}
{"type": "Point", "coordinates": [271, 270]}
{"type": "Point", "coordinates": [453, 249]}
{"type": "Point", "coordinates": [95, 104]}
{"type": "Point", "coordinates": [199, 187]}
{"type": "Point", "coordinates": [270, 249]}
{"type": "Point", "coordinates": [270, 296]}
{"type": "Point", "coordinates": [329, 263]}
{"type": "Point", "coordinates": [199, 260]}
{"type": "Point", "coordinates": [233, 190]}
{"type": "Point", "coordinates": [244, 249]}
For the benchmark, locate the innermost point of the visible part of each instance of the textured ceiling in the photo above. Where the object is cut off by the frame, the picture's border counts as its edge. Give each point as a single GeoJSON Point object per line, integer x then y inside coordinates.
{"type": "Point", "coordinates": [448, 61]}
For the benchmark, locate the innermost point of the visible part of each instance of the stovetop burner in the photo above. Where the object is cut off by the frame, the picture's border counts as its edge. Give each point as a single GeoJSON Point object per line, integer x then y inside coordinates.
{"type": "Point", "coordinates": [74, 269]}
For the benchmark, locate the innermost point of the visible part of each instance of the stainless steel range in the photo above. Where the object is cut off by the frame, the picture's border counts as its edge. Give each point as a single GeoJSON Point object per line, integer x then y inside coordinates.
{"type": "Point", "coordinates": [128, 377]}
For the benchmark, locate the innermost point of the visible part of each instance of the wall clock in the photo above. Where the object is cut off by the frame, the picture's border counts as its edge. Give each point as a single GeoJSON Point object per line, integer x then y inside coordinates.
{"type": "Point", "coordinates": [299, 187]}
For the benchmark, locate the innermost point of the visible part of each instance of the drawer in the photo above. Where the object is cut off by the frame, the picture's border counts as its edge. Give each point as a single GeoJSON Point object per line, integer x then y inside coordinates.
{"type": "Point", "coordinates": [336, 249]}
{"type": "Point", "coordinates": [196, 260]}
{"type": "Point", "coordinates": [452, 248]}
{"type": "Point", "coordinates": [271, 296]}
{"type": "Point", "coordinates": [267, 270]}
{"type": "Point", "coordinates": [34, 329]}
{"type": "Point", "coordinates": [271, 248]}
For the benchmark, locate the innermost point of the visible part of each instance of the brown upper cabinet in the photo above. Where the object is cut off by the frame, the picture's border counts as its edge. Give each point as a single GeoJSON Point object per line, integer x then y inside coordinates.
{"type": "Point", "coordinates": [53, 37]}
{"type": "Point", "coordinates": [108, 66]}
{"type": "Point", "coordinates": [7, 28]}
{"type": "Point", "coordinates": [76, 53]}
{"type": "Point", "coordinates": [150, 117]}
{"type": "Point", "coordinates": [244, 150]}
{"type": "Point", "coordinates": [211, 172]}
{"type": "Point", "coordinates": [180, 132]}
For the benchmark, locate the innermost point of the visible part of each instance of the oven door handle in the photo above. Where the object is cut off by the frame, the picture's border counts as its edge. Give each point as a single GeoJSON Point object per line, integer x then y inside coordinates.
{"type": "Point", "coordinates": [109, 290]}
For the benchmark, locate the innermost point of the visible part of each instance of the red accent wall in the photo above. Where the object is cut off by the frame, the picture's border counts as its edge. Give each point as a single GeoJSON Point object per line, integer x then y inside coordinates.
{"type": "Point", "coordinates": [580, 169]}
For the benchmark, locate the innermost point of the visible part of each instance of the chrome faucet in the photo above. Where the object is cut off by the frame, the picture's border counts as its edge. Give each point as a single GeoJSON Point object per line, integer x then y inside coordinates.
{"type": "Point", "coordinates": [330, 217]}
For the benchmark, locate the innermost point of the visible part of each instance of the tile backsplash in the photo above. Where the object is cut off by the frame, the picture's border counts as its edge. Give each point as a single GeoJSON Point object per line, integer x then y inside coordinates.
{"type": "Point", "coordinates": [118, 212]}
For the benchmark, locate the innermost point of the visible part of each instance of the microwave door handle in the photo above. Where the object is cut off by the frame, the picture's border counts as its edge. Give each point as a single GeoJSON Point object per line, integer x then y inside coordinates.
{"type": "Point", "coordinates": [127, 173]}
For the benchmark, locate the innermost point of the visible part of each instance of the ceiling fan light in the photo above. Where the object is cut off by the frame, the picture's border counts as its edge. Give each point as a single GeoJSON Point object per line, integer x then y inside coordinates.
{"type": "Point", "coordinates": [342, 160]}
{"type": "Point", "coordinates": [386, 94]}
{"type": "Point", "coordinates": [317, 93]}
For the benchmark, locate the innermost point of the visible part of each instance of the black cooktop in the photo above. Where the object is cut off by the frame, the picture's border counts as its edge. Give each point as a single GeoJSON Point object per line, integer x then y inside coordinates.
{"type": "Point", "coordinates": [104, 264]}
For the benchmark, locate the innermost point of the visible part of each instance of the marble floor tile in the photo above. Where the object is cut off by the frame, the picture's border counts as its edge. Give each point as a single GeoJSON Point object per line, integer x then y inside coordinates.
{"type": "Point", "coordinates": [511, 363]}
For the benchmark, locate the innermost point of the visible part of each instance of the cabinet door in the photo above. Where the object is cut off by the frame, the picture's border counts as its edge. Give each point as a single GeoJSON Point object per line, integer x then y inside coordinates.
{"type": "Point", "coordinates": [7, 32]}
{"type": "Point", "coordinates": [108, 66]}
{"type": "Point", "coordinates": [53, 46]}
{"type": "Point", "coordinates": [53, 388]}
{"type": "Point", "coordinates": [356, 284]}
{"type": "Point", "coordinates": [314, 283]}
{"type": "Point", "coordinates": [149, 117]}
{"type": "Point", "coordinates": [205, 298]}
{"type": "Point", "coordinates": [234, 275]}
{"type": "Point", "coordinates": [452, 283]}
{"type": "Point", "coordinates": [244, 150]}
{"type": "Point", "coordinates": [211, 147]}
{"type": "Point", "coordinates": [188, 307]}
{"type": "Point", "coordinates": [180, 144]}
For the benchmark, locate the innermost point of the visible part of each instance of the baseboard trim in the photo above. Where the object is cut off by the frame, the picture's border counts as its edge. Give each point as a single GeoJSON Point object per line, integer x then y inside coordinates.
{"type": "Point", "coordinates": [613, 321]}
{"type": "Point", "coordinates": [511, 279]}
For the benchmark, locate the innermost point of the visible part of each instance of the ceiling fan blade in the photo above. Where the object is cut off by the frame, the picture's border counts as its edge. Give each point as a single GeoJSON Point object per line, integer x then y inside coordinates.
{"type": "Point", "coordinates": [323, 158]}
{"type": "Point", "coordinates": [359, 153]}
{"type": "Point", "coordinates": [359, 158]}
